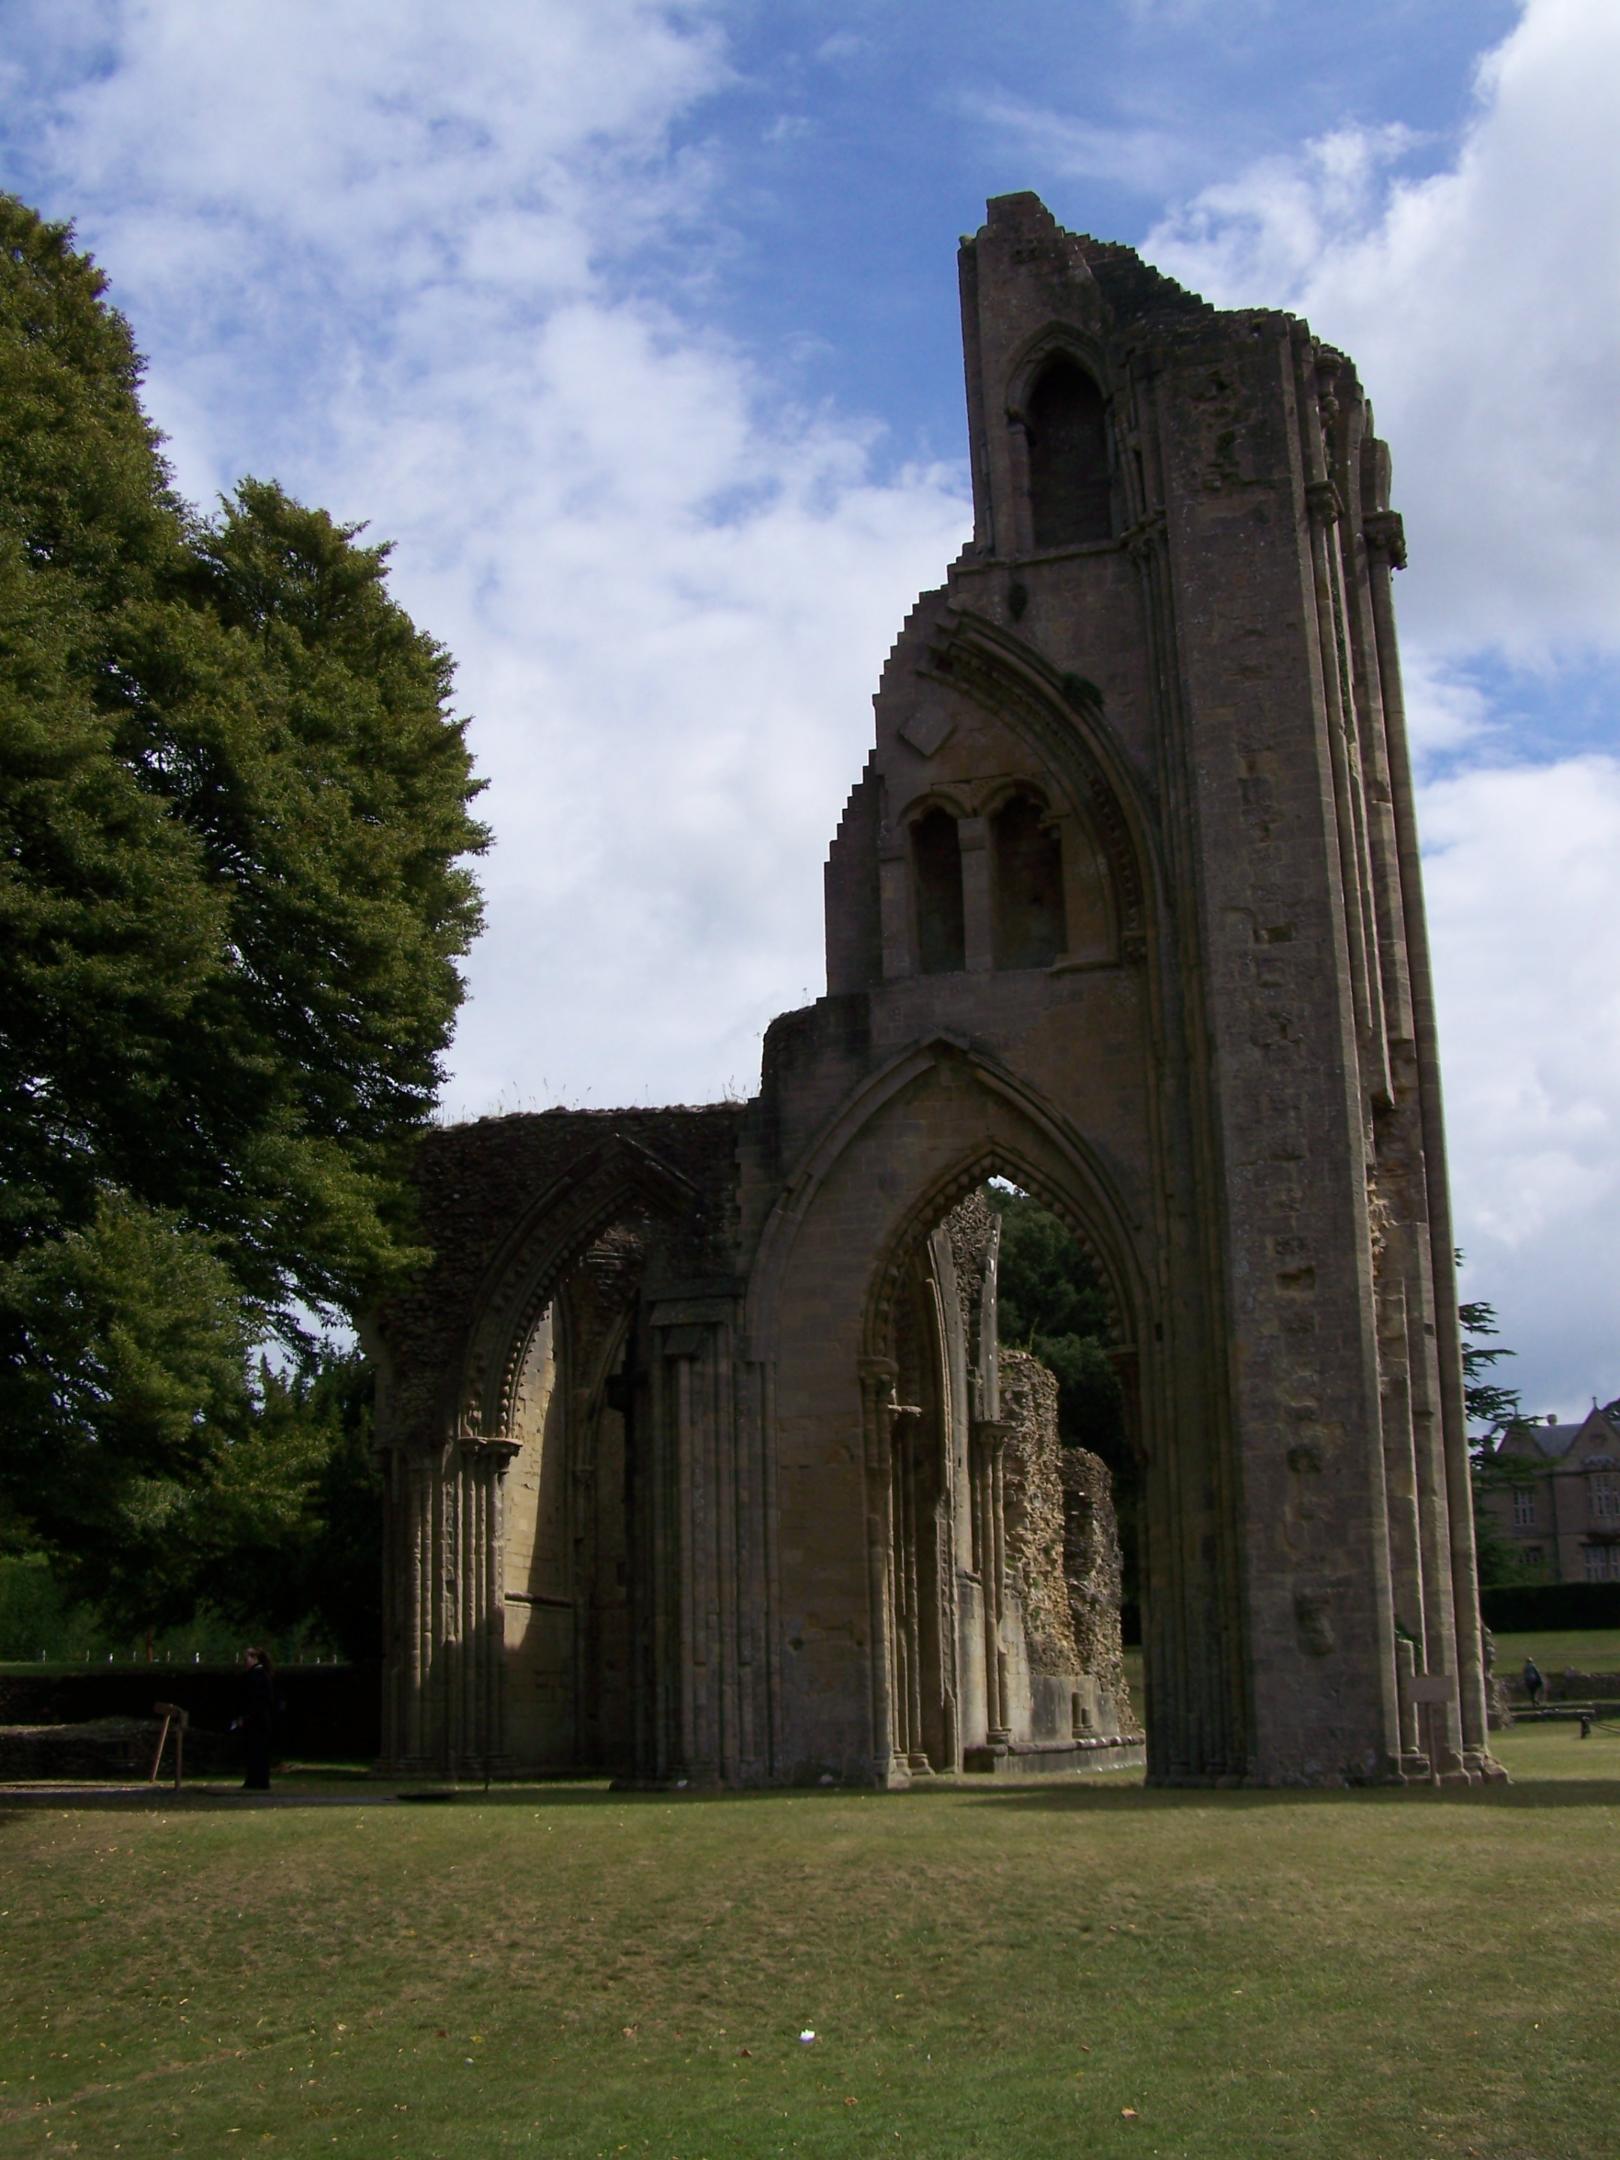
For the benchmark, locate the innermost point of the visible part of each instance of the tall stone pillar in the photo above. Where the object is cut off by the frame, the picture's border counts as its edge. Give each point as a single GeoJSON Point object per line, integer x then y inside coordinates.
{"type": "Point", "coordinates": [878, 1406]}
{"type": "Point", "coordinates": [444, 1623]}
{"type": "Point", "coordinates": [702, 1509]}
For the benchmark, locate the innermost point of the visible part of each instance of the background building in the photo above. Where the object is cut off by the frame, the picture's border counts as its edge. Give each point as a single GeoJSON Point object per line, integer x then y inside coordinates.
{"type": "Point", "coordinates": [1562, 1519]}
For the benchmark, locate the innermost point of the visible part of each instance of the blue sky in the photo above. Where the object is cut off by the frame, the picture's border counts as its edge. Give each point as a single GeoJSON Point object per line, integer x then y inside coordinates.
{"type": "Point", "coordinates": [634, 326]}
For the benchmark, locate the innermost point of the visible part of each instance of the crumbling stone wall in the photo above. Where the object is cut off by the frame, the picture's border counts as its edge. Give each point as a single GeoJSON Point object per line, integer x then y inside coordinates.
{"type": "Point", "coordinates": [1172, 737]}
{"type": "Point", "coordinates": [1036, 1558]}
{"type": "Point", "coordinates": [1094, 1571]}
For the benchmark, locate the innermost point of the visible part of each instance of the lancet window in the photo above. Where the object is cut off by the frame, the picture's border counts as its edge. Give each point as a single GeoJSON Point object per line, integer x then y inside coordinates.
{"type": "Point", "coordinates": [1028, 884]}
{"type": "Point", "coordinates": [1068, 457]}
{"type": "Point", "coordinates": [936, 863]}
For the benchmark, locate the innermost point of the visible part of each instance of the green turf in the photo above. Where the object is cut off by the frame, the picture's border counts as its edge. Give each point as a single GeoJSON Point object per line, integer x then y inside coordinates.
{"type": "Point", "coordinates": [1076, 1969]}
{"type": "Point", "coordinates": [1591, 1650]}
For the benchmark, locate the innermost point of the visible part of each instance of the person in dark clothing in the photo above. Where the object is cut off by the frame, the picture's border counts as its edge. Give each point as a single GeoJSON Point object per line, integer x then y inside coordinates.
{"type": "Point", "coordinates": [258, 1718]}
{"type": "Point", "coordinates": [1533, 1682]}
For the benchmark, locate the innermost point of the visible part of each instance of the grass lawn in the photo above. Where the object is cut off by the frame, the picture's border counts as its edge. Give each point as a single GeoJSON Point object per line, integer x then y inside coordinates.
{"type": "Point", "coordinates": [1580, 1649]}
{"type": "Point", "coordinates": [1075, 1970]}
{"type": "Point", "coordinates": [1555, 1650]}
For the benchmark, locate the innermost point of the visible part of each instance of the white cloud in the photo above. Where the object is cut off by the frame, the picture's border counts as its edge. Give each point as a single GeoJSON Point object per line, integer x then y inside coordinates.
{"type": "Point", "coordinates": [1147, 159]}
{"type": "Point", "coordinates": [1445, 710]}
{"type": "Point", "coordinates": [440, 273]}
{"type": "Point", "coordinates": [1267, 232]}
{"type": "Point", "coordinates": [1482, 307]}
{"type": "Point", "coordinates": [1522, 875]}
{"type": "Point", "coordinates": [392, 259]}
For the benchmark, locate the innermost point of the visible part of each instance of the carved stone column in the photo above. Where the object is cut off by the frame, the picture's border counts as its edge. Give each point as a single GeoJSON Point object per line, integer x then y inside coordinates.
{"type": "Point", "coordinates": [444, 1709]}
{"type": "Point", "coordinates": [906, 1580]}
{"type": "Point", "coordinates": [878, 1375]}
{"type": "Point", "coordinates": [978, 927]}
{"type": "Point", "coordinates": [701, 1547]}
{"type": "Point", "coordinates": [477, 1737]}
{"type": "Point", "coordinates": [1386, 552]}
{"type": "Point", "coordinates": [894, 907]}
{"type": "Point", "coordinates": [989, 1504]}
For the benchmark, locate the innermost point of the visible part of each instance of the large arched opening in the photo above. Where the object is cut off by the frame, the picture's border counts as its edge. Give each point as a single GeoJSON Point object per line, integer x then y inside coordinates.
{"type": "Point", "coordinates": [567, 1529]}
{"type": "Point", "coordinates": [1003, 1574]}
{"type": "Point", "coordinates": [936, 1563]}
{"type": "Point", "coordinates": [555, 1379]}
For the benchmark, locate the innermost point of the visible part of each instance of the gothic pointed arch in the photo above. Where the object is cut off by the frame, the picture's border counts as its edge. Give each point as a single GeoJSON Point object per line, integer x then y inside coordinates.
{"type": "Point", "coordinates": [1033, 1144]}
{"type": "Point", "coordinates": [617, 1178]}
{"type": "Point", "coordinates": [1058, 397]}
{"type": "Point", "coordinates": [1063, 720]}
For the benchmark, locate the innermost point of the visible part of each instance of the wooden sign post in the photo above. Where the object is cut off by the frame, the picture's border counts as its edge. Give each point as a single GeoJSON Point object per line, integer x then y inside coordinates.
{"type": "Point", "coordinates": [172, 1715]}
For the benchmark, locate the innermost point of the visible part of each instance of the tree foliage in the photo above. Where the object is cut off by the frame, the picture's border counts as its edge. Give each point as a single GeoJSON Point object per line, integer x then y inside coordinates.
{"type": "Point", "coordinates": [234, 817]}
{"type": "Point", "coordinates": [1494, 1409]}
{"type": "Point", "coordinates": [284, 1534]}
{"type": "Point", "coordinates": [1052, 1302]}
{"type": "Point", "coordinates": [1487, 1402]}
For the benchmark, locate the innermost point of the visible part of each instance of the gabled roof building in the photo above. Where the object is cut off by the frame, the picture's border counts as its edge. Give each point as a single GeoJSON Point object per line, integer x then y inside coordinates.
{"type": "Point", "coordinates": [1563, 1521]}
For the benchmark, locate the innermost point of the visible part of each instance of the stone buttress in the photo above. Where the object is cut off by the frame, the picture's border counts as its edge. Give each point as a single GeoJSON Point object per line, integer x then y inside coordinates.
{"type": "Point", "coordinates": [703, 1461]}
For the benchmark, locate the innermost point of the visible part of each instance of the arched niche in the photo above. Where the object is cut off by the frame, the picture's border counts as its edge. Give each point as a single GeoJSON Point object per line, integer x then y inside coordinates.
{"type": "Point", "coordinates": [1066, 428]}
{"type": "Point", "coordinates": [936, 883]}
{"type": "Point", "coordinates": [565, 1527]}
{"type": "Point", "coordinates": [1027, 892]}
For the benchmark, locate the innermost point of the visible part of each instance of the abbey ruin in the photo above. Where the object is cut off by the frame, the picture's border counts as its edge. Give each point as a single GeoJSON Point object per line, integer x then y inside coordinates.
{"type": "Point", "coordinates": [705, 1462]}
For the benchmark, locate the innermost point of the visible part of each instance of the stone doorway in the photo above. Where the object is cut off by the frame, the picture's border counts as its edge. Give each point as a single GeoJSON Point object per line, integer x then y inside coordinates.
{"type": "Point", "coordinates": [1002, 1582]}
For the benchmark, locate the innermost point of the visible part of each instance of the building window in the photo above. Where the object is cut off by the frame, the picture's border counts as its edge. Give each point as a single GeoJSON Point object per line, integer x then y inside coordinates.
{"type": "Point", "coordinates": [1533, 1555]}
{"type": "Point", "coordinates": [1605, 1497]}
{"type": "Point", "coordinates": [1068, 458]}
{"type": "Point", "coordinates": [936, 865]}
{"type": "Point", "coordinates": [1524, 1508]}
{"type": "Point", "coordinates": [1603, 1563]}
{"type": "Point", "coordinates": [1028, 860]}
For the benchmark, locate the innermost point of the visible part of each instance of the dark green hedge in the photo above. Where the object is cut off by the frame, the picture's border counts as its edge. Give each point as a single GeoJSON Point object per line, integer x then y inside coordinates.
{"type": "Point", "coordinates": [328, 1713]}
{"type": "Point", "coordinates": [1519, 1608]}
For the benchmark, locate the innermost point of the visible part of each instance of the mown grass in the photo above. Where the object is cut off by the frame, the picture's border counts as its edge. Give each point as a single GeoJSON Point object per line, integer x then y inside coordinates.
{"type": "Point", "coordinates": [1084, 1969]}
{"type": "Point", "coordinates": [1591, 1650]}
{"type": "Point", "coordinates": [1555, 1650]}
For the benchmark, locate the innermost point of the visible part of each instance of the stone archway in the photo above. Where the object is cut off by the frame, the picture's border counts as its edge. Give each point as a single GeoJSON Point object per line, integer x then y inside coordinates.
{"type": "Point", "coordinates": [999, 1538]}
{"type": "Point", "coordinates": [1182, 995]}
{"type": "Point", "coordinates": [934, 1129]}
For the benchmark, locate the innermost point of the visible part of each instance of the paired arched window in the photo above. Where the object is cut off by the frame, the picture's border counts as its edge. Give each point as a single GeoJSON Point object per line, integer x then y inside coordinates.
{"type": "Point", "coordinates": [1068, 457]}
{"type": "Point", "coordinates": [1025, 889]}
{"type": "Point", "coordinates": [1027, 884]}
{"type": "Point", "coordinates": [936, 868]}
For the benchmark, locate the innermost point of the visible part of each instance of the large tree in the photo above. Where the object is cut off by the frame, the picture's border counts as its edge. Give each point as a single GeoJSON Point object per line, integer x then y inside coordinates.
{"type": "Point", "coordinates": [234, 817]}
{"type": "Point", "coordinates": [1495, 1410]}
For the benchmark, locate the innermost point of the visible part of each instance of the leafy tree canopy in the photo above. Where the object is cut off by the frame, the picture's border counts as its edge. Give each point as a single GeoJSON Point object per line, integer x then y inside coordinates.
{"type": "Point", "coordinates": [1487, 1401]}
{"type": "Point", "coordinates": [284, 1533]}
{"type": "Point", "coordinates": [234, 817]}
{"type": "Point", "coordinates": [1051, 1301]}
{"type": "Point", "coordinates": [1494, 1409]}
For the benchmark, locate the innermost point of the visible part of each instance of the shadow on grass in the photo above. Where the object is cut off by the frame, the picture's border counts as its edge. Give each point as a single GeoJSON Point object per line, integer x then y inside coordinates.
{"type": "Point", "coordinates": [1521, 1793]}
{"type": "Point", "coordinates": [319, 1787]}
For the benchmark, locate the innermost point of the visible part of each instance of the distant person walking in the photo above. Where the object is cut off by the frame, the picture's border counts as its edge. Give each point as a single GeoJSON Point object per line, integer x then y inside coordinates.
{"type": "Point", "coordinates": [1534, 1685]}
{"type": "Point", "coordinates": [258, 1719]}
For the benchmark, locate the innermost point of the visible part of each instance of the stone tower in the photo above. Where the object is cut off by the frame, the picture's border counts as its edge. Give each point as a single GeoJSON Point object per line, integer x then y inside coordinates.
{"type": "Point", "coordinates": [1125, 909]}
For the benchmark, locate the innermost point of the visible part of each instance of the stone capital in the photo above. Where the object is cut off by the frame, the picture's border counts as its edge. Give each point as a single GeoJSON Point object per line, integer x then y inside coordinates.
{"type": "Point", "coordinates": [1322, 498]}
{"type": "Point", "coordinates": [1385, 535]}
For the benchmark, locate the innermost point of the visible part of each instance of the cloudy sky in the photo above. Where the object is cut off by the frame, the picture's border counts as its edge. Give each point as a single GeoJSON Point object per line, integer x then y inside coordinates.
{"type": "Point", "coordinates": [633, 325]}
